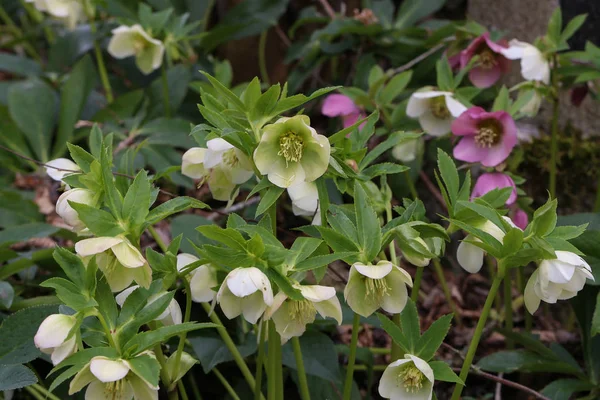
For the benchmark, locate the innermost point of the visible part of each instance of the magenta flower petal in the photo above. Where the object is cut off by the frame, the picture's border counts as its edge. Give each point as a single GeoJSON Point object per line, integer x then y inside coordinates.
{"type": "Point", "coordinates": [350, 119]}
{"type": "Point", "coordinates": [509, 136]}
{"type": "Point", "coordinates": [471, 50]}
{"type": "Point", "coordinates": [495, 47]}
{"type": "Point", "coordinates": [466, 123]}
{"type": "Point", "coordinates": [496, 180]}
{"type": "Point", "coordinates": [520, 219]}
{"type": "Point", "coordinates": [467, 150]}
{"type": "Point", "coordinates": [494, 155]}
{"type": "Point", "coordinates": [338, 104]}
{"type": "Point", "coordinates": [485, 77]}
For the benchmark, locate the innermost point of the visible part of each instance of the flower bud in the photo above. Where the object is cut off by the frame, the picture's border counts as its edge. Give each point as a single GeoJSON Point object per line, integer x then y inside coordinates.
{"type": "Point", "coordinates": [68, 213]}
{"type": "Point", "coordinates": [51, 337]}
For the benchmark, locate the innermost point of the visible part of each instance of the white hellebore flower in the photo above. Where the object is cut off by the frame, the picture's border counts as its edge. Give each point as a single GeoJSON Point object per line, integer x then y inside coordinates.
{"type": "Point", "coordinates": [435, 110]}
{"type": "Point", "coordinates": [51, 337]}
{"type": "Point", "coordinates": [245, 291]}
{"type": "Point", "coordinates": [305, 200]}
{"type": "Point", "coordinates": [118, 259]}
{"type": "Point", "coordinates": [292, 316]}
{"type": "Point", "coordinates": [170, 316]}
{"type": "Point", "coordinates": [133, 40]}
{"type": "Point", "coordinates": [69, 11]}
{"type": "Point", "coordinates": [192, 163]}
{"type": "Point", "coordinates": [382, 285]}
{"type": "Point", "coordinates": [406, 151]}
{"type": "Point", "coordinates": [59, 168]}
{"type": "Point", "coordinates": [202, 279]}
{"type": "Point", "coordinates": [415, 258]}
{"type": "Point", "coordinates": [68, 213]}
{"type": "Point", "coordinates": [469, 256]}
{"type": "Point", "coordinates": [110, 379]}
{"type": "Point", "coordinates": [557, 279]}
{"type": "Point", "coordinates": [534, 66]}
{"type": "Point", "coordinates": [410, 378]}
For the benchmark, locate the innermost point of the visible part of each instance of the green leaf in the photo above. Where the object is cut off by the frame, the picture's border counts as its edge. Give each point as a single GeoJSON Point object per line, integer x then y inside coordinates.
{"type": "Point", "coordinates": [395, 87]}
{"type": "Point", "coordinates": [445, 77]}
{"type": "Point", "coordinates": [410, 325]}
{"type": "Point", "coordinates": [487, 213]}
{"type": "Point", "coordinates": [544, 219]}
{"type": "Point", "coordinates": [229, 237]}
{"type": "Point", "coordinates": [411, 11]}
{"type": "Point", "coordinates": [395, 333]}
{"type": "Point", "coordinates": [71, 264]}
{"type": "Point", "coordinates": [449, 175]}
{"type": "Point", "coordinates": [524, 98]}
{"type": "Point", "coordinates": [555, 26]}
{"type": "Point", "coordinates": [383, 169]}
{"type": "Point", "coordinates": [16, 377]}
{"type": "Point", "coordinates": [137, 201]}
{"type": "Point", "coordinates": [32, 105]}
{"type": "Point", "coordinates": [393, 139]}
{"type": "Point", "coordinates": [173, 206]}
{"type": "Point", "coordinates": [228, 94]}
{"type": "Point", "coordinates": [265, 104]}
{"type": "Point", "coordinates": [251, 94]}
{"type": "Point", "coordinates": [341, 135]}
{"type": "Point", "coordinates": [285, 284]}
{"type": "Point", "coordinates": [433, 337]}
{"type": "Point", "coordinates": [26, 231]}
{"type": "Point", "coordinates": [81, 157]}
{"type": "Point", "coordinates": [212, 351]}
{"type": "Point", "coordinates": [73, 95]}
{"type": "Point", "coordinates": [268, 199]}
{"type": "Point", "coordinates": [107, 306]}
{"type": "Point", "coordinates": [113, 198]}
{"type": "Point", "coordinates": [70, 294]}
{"type": "Point", "coordinates": [146, 340]}
{"type": "Point", "coordinates": [99, 222]}
{"type": "Point", "coordinates": [596, 318]}
{"type": "Point", "coordinates": [512, 242]}
{"type": "Point", "coordinates": [146, 367]}
{"type": "Point", "coordinates": [525, 361]}
{"type": "Point", "coordinates": [319, 356]}
{"type": "Point", "coordinates": [18, 65]}
{"type": "Point", "coordinates": [17, 332]}
{"type": "Point", "coordinates": [367, 224]}
{"type": "Point", "coordinates": [502, 101]}
{"type": "Point", "coordinates": [563, 389]}
{"type": "Point", "coordinates": [319, 261]}
{"type": "Point", "coordinates": [443, 372]}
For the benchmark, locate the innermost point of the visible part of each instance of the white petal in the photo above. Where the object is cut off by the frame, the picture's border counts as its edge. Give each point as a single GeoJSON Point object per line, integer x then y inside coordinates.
{"type": "Point", "coordinates": [107, 370]}
{"type": "Point", "coordinates": [192, 163]}
{"type": "Point", "coordinates": [173, 316]}
{"type": "Point", "coordinates": [64, 350]}
{"type": "Point", "coordinates": [407, 151]}
{"type": "Point", "coordinates": [89, 247]}
{"type": "Point", "coordinates": [557, 271]}
{"type": "Point", "coordinates": [422, 366]}
{"type": "Point", "coordinates": [377, 271]}
{"type": "Point", "coordinates": [316, 293]}
{"type": "Point", "coordinates": [201, 284]}
{"type": "Point", "coordinates": [330, 308]}
{"type": "Point", "coordinates": [122, 43]}
{"type": "Point", "coordinates": [121, 297]}
{"type": "Point", "coordinates": [128, 255]}
{"type": "Point", "coordinates": [454, 106]}
{"type": "Point", "coordinates": [231, 305]}
{"type": "Point", "coordinates": [81, 379]}
{"type": "Point", "coordinates": [416, 106]}
{"type": "Point", "coordinates": [470, 257]}
{"type": "Point", "coordinates": [430, 94]}
{"type": "Point", "coordinates": [240, 281]}
{"type": "Point", "coordinates": [515, 49]}
{"type": "Point", "coordinates": [218, 145]}
{"type": "Point", "coordinates": [253, 307]}
{"type": "Point", "coordinates": [532, 300]}
{"type": "Point", "coordinates": [571, 258]}
{"type": "Point", "coordinates": [278, 302]}
{"type": "Point", "coordinates": [388, 382]}
{"type": "Point", "coordinates": [53, 331]}
{"type": "Point", "coordinates": [433, 125]}
{"type": "Point", "coordinates": [185, 259]}
{"type": "Point", "coordinates": [62, 164]}
{"type": "Point", "coordinates": [534, 66]}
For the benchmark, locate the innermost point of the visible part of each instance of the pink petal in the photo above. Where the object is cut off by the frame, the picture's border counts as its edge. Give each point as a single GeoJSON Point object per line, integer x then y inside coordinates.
{"type": "Point", "coordinates": [520, 219]}
{"type": "Point", "coordinates": [467, 150]}
{"type": "Point", "coordinates": [496, 47]}
{"type": "Point", "coordinates": [466, 123]}
{"type": "Point", "coordinates": [490, 181]}
{"type": "Point", "coordinates": [484, 78]}
{"type": "Point", "coordinates": [469, 52]}
{"type": "Point", "coordinates": [350, 119]}
{"type": "Point", "coordinates": [509, 129]}
{"type": "Point", "coordinates": [494, 155]}
{"type": "Point", "coordinates": [338, 104]}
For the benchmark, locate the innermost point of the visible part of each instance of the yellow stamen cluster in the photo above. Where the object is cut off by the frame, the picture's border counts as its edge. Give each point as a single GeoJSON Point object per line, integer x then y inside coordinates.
{"type": "Point", "coordinates": [411, 378]}
{"type": "Point", "coordinates": [488, 134]}
{"type": "Point", "coordinates": [438, 107]}
{"type": "Point", "coordinates": [290, 147]}
{"type": "Point", "coordinates": [230, 158]}
{"type": "Point", "coordinates": [487, 59]}
{"type": "Point", "coordinates": [376, 287]}
{"type": "Point", "coordinates": [303, 311]}
{"type": "Point", "coordinates": [114, 390]}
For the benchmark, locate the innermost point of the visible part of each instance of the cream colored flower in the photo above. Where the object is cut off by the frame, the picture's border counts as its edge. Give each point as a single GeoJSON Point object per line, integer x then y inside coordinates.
{"type": "Point", "coordinates": [292, 316]}
{"type": "Point", "coordinates": [410, 378]}
{"type": "Point", "coordinates": [435, 110]}
{"type": "Point", "coordinates": [118, 259]}
{"type": "Point", "coordinates": [557, 279]}
{"type": "Point", "coordinates": [202, 279]}
{"type": "Point", "coordinates": [68, 213]}
{"type": "Point", "coordinates": [534, 65]}
{"type": "Point", "coordinates": [371, 287]}
{"type": "Point", "coordinates": [51, 337]}
{"type": "Point", "coordinates": [133, 40]}
{"type": "Point", "coordinates": [59, 168]}
{"type": "Point", "coordinates": [245, 291]}
{"type": "Point", "coordinates": [305, 200]}
{"type": "Point", "coordinates": [406, 151]}
{"type": "Point", "coordinates": [170, 316]}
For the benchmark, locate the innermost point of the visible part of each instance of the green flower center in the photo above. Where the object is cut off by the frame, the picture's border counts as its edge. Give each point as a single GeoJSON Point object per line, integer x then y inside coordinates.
{"type": "Point", "coordinates": [303, 311]}
{"type": "Point", "coordinates": [114, 390]}
{"type": "Point", "coordinates": [376, 287]}
{"type": "Point", "coordinates": [438, 107]}
{"type": "Point", "coordinates": [230, 158]}
{"type": "Point", "coordinates": [411, 378]}
{"type": "Point", "coordinates": [290, 147]}
{"type": "Point", "coordinates": [489, 133]}
{"type": "Point", "coordinates": [487, 59]}
{"type": "Point", "coordinates": [139, 44]}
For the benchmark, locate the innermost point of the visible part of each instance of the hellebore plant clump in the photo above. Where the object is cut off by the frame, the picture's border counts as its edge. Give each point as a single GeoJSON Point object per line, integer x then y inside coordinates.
{"type": "Point", "coordinates": [290, 219]}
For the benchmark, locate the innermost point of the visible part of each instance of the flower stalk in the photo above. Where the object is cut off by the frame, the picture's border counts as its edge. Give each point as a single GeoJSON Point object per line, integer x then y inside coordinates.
{"type": "Point", "coordinates": [508, 310]}
{"type": "Point", "coordinates": [555, 133]}
{"type": "Point", "coordinates": [100, 60]}
{"type": "Point", "coordinates": [351, 358]}
{"type": "Point", "coordinates": [414, 295]}
{"type": "Point", "coordinates": [442, 279]}
{"type": "Point", "coordinates": [302, 382]}
{"type": "Point", "coordinates": [165, 89]}
{"type": "Point", "coordinates": [260, 360]}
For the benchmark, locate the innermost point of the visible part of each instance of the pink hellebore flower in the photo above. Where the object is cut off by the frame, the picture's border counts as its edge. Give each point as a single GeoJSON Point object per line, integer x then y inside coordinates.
{"type": "Point", "coordinates": [488, 137]}
{"type": "Point", "coordinates": [520, 218]}
{"type": "Point", "coordinates": [496, 180]}
{"type": "Point", "coordinates": [338, 105]}
{"type": "Point", "coordinates": [491, 64]}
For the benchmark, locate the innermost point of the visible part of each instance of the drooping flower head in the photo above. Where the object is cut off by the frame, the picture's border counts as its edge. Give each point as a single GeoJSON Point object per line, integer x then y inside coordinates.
{"type": "Point", "coordinates": [491, 63]}
{"type": "Point", "coordinates": [409, 378]}
{"type": "Point", "coordinates": [406, 151]}
{"type": "Point", "coordinates": [371, 287]}
{"type": "Point", "coordinates": [245, 291]}
{"type": "Point", "coordinates": [290, 151]}
{"type": "Point", "coordinates": [520, 218]}
{"type": "Point", "coordinates": [487, 137]}
{"type": "Point", "coordinates": [120, 262]}
{"type": "Point", "coordinates": [133, 40]}
{"type": "Point", "coordinates": [70, 12]}
{"type": "Point", "coordinates": [557, 279]}
{"type": "Point", "coordinates": [51, 337]}
{"type": "Point", "coordinates": [68, 213]}
{"type": "Point", "coordinates": [110, 379]}
{"type": "Point", "coordinates": [305, 200]}
{"type": "Point", "coordinates": [339, 105]}
{"type": "Point", "coordinates": [202, 279]}
{"type": "Point", "coordinates": [292, 316]}
{"type": "Point", "coordinates": [435, 110]}
{"type": "Point", "coordinates": [534, 65]}
{"type": "Point", "coordinates": [494, 180]}
{"type": "Point", "coordinates": [59, 168]}
{"type": "Point", "coordinates": [170, 316]}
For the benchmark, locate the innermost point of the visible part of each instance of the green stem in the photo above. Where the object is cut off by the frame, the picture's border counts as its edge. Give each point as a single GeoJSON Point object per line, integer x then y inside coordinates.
{"type": "Point", "coordinates": [280, 389]}
{"type": "Point", "coordinates": [34, 393]}
{"type": "Point", "coordinates": [302, 382]}
{"type": "Point", "coordinates": [411, 186]}
{"type": "Point", "coordinates": [492, 271]}
{"type": "Point", "coordinates": [161, 244]}
{"type": "Point", "coordinates": [45, 392]}
{"type": "Point", "coordinates": [100, 60]}
{"type": "Point", "coordinates": [554, 139]}
{"type": "Point", "coordinates": [489, 301]}
{"type": "Point", "coordinates": [262, 62]}
{"type": "Point", "coordinates": [226, 384]}
{"type": "Point", "coordinates": [237, 357]}
{"type": "Point", "coordinates": [107, 332]}
{"type": "Point", "coordinates": [508, 311]}
{"type": "Point", "coordinates": [273, 215]}
{"type": "Point", "coordinates": [272, 362]}
{"type": "Point", "coordinates": [260, 360]}
{"type": "Point", "coordinates": [351, 358]}
{"type": "Point", "coordinates": [521, 284]}
{"type": "Point", "coordinates": [396, 350]}
{"type": "Point", "coordinates": [9, 22]}
{"type": "Point", "coordinates": [38, 17]}
{"type": "Point", "coordinates": [186, 318]}
{"type": "Point", "coordinates": [194, 386]}
{"type": "Point", "coordinates": [181, 390]}
{"type": "Point", "coordinates": [165, 89]}
{"type": "Point", "coordinates": [442, 279]}
{"type": "Point", "coordinates": [164, 373]}
{"type": "Point", "coordinates": [414, 295]}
